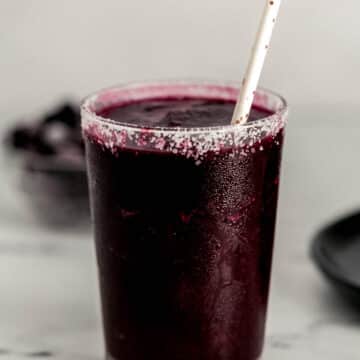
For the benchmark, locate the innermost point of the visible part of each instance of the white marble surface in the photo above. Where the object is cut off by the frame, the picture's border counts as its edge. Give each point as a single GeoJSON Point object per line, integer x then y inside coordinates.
{"type": "Point", "coordinates": [48, 290]}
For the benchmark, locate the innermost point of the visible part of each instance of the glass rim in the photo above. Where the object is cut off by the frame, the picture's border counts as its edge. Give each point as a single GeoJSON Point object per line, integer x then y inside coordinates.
{"type": "Point", "coordinates": [88, 113]}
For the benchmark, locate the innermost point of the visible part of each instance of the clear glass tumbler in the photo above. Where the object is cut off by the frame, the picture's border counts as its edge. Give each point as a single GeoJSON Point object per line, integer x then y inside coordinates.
{"type": "Point", "coordinates": [184, 224]}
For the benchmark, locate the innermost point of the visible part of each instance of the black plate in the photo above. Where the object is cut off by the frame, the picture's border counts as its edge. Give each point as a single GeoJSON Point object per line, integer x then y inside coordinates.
{"type": "Point", "coordinates": [336, 251]}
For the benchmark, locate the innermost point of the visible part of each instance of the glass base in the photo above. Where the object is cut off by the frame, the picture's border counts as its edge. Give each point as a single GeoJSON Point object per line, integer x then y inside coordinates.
{"type": "Point", "coordinates": [108, 357]}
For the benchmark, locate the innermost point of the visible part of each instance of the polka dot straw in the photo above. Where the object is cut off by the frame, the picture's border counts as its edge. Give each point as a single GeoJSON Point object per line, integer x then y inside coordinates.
{"type": "Point", "coordinates": [256, 62]}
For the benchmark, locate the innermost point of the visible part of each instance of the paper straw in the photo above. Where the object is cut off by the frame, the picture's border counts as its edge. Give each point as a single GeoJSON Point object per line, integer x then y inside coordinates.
{"type": "Point", "coordinates": [256, 62]}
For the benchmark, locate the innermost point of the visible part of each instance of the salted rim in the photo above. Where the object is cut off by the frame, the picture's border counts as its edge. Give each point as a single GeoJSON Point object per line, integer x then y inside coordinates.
{"type": "Point", "coordinates": [90, 115]}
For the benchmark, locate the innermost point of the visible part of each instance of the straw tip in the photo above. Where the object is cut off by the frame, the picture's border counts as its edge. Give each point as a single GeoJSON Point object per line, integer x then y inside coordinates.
{"type": "Point", "coordinates": [255, 65]}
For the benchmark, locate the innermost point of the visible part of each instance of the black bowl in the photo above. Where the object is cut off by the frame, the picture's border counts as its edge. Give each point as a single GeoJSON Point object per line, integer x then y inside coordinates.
{"type": "Point", "coordinates": [336, 252]}
{"type": "Point", "coordinates": [49, 161]}
{"type": "Point", "coordinates": [57, 190]}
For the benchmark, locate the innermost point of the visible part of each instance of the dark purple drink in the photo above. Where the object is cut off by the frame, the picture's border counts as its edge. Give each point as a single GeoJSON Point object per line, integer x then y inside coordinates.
{"type": "Point", "coordinates": [184, 219]}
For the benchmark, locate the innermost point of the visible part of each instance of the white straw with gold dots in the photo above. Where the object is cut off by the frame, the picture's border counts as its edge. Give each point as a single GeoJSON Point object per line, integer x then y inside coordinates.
{"type": "Point", "coordinates": [256, 63]}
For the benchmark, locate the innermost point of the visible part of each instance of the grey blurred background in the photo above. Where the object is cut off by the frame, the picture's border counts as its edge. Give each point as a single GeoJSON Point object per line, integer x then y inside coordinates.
{"type": "Point", "coordinates": [50, 49]}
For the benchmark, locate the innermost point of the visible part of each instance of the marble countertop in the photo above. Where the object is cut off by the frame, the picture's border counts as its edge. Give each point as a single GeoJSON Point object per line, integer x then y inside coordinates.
{"type": "Point", "coordinates": [49, 302]}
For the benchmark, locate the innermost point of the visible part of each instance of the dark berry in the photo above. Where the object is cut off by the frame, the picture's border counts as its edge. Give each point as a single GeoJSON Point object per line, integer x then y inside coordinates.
{"type": "Point", "coordinates": [42, 147]}
{"type": "Point", "coordinates": [66, 114]}
{"type": "Point", "coordinates": [20, 138]}
{"type": "Point", "coordinates": [54, 134]}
